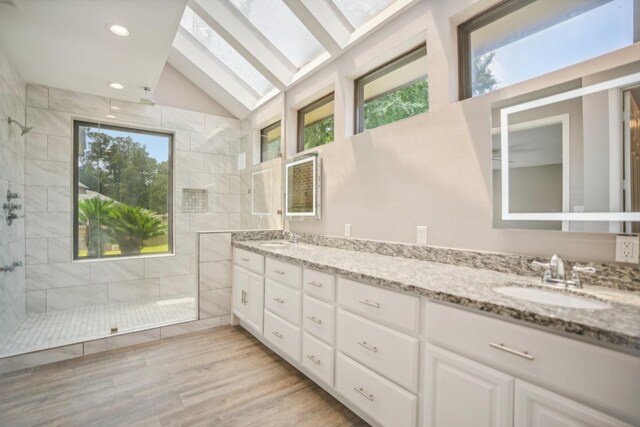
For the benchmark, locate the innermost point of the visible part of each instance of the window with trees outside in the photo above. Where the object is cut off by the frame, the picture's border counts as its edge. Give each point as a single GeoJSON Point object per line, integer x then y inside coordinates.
{"type": "Point", "coordinates": [521, 39]}
{"type": "Point", "coordinates": [316, 124]}
{"type": "Point", "coordinates": [122, 191]}
{"type": "Point", "coordinates": [393, 92]}
{"type": "Point", "coordinates": [270, 142]}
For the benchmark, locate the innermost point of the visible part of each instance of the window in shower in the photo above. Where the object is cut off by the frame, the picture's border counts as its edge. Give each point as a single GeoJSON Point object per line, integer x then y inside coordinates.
{"type": "Point", "coordinates": [122, 191]}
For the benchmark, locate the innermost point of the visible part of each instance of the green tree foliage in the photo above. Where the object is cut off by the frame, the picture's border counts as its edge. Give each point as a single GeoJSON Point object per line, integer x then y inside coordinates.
{"type": "Point", "coordinates": [318, 133]}
{"type": "Point", "coordinates": [95, 214]}
{"type": "Point", "coordinates": [130, 226]}
{"type": "Point", "coordinates": [482, 77]}
{"type": "Point", "coordinates": [122, 170]}
{"type": "Point", "coordinates": [401, 103]}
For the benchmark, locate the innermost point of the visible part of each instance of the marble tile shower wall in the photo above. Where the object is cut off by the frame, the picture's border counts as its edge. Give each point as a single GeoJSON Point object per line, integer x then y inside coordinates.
{"type": "Point", "coordinates": [12, 284]}
{"type": "Point", "coordinates": [206, 149]}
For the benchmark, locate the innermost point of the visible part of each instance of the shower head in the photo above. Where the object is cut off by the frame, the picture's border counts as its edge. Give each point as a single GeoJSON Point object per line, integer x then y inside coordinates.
{"type": "Point", "coordinates": [147, 97]}
{"type": "Point", "coordinates": [25, 130]}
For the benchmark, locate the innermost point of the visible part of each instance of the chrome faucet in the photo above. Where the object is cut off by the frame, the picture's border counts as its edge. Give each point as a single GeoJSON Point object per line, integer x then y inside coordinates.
{"type": "Point", "coordinates": [292, 236]}
{"type": "Point", "coordinates": [554, 273]}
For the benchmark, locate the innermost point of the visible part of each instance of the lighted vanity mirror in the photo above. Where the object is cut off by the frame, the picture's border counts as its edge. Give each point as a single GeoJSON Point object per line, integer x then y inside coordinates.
{"type": "Point", "coordinates": [302, 188]}
{"type": "Point", "coordinates": [569, 161]}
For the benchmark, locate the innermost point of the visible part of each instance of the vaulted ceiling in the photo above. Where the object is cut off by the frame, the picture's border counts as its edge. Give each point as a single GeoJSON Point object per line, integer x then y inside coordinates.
{"type": "Point", "coordinates": [244, 52]}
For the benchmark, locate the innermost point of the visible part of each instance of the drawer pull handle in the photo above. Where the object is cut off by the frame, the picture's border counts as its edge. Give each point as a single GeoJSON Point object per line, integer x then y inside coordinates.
{"type": "Point", "coordinates": [372, 304]}
{"type": "Point", "coordinates": [278, 334]}
{"type": "Point", "coordinates": [313, 359]}
{"type": "Point", "coordinates": [367, 346]}
{"type": "Point", "coordinates": [512, 351]}
{"type": "Point", "coordinates": [313, 319]}
{"type": "Point", "coordinates": [278, 271]}
{"type": "Point", "coordinates": [280, 300]}
{"type": "Point", "coordinates": [364, 393]}
{"type": "Point", "coordinates": [245, 259]}
{"type": "Point", "coordinates": [316, 284]}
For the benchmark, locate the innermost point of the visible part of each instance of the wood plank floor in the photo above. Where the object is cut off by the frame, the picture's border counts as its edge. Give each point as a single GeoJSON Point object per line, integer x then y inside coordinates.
{"type": "Point", "coordinates": [219, 377]}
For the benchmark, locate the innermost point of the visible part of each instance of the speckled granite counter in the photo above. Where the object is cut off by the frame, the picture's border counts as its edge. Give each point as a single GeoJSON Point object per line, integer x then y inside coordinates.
{"type": "Point", "coordinates": [617, 327]}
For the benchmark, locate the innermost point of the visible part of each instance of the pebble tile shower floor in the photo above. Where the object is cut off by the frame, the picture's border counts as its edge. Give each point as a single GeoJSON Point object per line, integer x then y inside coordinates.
{"type": "Point", "coordinates": [47, 330]}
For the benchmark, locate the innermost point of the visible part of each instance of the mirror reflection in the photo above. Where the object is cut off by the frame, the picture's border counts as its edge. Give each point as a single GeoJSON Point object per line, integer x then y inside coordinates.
{"type": "Point", "coordinates": [573, 160]}
{"type": "Point", "coordinates": [302, 188]}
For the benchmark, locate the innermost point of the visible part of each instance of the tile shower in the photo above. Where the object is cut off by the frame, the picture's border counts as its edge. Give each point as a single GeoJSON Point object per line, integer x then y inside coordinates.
{"type": "Point", "coordinates": [59, 302]}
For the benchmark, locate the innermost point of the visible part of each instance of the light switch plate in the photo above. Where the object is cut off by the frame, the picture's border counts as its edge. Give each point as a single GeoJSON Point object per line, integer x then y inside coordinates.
{"type": "Point", "coordinates": [627, 248]}
{"type": "Point", "coordinates": [421, 235]}
{"type": "Point", "coordinates": [347, 230]}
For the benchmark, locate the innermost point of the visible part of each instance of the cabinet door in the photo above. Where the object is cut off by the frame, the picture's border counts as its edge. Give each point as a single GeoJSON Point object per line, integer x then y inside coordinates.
{"type": "Point", "coordinates": [240, 292]}
{"type": "Point", "coordinates": [537, 407]}
{"type": "Point", "coordinates": [461, 392]}
{"type": "Point", "coordinates": [255, 301]}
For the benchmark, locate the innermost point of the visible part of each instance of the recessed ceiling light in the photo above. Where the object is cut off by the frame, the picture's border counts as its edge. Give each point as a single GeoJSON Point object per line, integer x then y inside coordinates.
{"type": "Point", "coordinates": [111, 116]}
{"type": "Point", "coordinates": [113, 107]}
{"type": "Point", "coordinates": [119, 30]}
{"type": "Point", "coordinates": [116, 86]}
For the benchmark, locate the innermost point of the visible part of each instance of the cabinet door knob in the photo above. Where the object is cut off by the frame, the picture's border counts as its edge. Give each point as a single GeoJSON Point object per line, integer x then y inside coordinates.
{"type": "Point", "coordinates": [372, 304]}
{"type": "Point", "coordinates": [364, 393]}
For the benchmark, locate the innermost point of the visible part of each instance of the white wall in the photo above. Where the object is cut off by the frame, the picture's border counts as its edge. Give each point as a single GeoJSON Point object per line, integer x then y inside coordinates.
{"type": "Point", "coordinates": [205, 157]}
{"type": "Point", "coordinates": [175, 90]}
{"type": "Point", "coordinates": [433, 169]}
{"type": "Point", "coordinates": [12, 284]}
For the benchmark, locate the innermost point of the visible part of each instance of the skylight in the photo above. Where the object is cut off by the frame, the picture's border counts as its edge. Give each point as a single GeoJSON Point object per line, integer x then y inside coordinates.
{"type": "Point", "coordinates": [224, 52]}
{"type": "Point", "coordinates": [358, 12]}
{"type": "Point", "coordinates": [281, 27]}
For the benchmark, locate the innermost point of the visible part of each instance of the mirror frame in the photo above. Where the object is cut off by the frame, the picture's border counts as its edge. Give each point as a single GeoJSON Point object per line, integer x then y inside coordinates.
{"type": "Point", "coordinates": [298, 216]}
{"type": "Point", "coordinates": [613, 86]}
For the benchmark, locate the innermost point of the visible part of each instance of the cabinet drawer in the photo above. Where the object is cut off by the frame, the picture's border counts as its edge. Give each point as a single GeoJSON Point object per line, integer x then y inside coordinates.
{"type": "Point", "coordinates": [604, 379]}
{"type": "Point", "coordinates": [282, 334]}
{"type": "Point", "coordinates": [382, 400]}
{"type": "Point", "coordinates": [283, 301]}
{"type": "Point", "coordinates": [386, 351]}
{"type": "Point", "coordinates": [249, 260]}
{"type": "Point", "coordinates": [318, 358]}
{"type": "Point", "coordinates": [393, 308]}
{"type": "Point", "coordinates": [283, 272]}
{"type": "Point", "coordinates": [319, 284]}
{"type": "Point", "coordinates": [318, 318]}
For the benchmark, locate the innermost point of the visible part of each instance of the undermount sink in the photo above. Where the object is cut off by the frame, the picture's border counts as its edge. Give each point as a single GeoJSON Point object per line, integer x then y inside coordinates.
{"type": "Point", "coordinates": [543, 296]}
{"type": "Point", "coordinates": [275, 245]}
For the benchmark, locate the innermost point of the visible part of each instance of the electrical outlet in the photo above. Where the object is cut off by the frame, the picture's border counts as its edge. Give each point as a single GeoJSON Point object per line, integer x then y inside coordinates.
{"type": "Point", "coordinates": [627, 248]}
{"type": "Point", "coordinates": [347, 230]}
{"type": "Point", "coordinates": [421, 235]}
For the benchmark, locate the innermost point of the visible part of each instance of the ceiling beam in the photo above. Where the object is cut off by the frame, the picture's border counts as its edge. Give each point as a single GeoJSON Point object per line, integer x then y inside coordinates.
{"type": "Point", "coordinates": [236, 30]}
{"type": "Point", "coordinates": [313, 24]}
{"type": "Point", "coordinates": [202, 59]}
{"type": "Point", "coordinates": [327, 14]}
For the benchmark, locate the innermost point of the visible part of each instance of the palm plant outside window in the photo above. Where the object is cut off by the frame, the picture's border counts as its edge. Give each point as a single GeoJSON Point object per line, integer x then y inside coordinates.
{"type": "Point", "coordinates": [122, 191]}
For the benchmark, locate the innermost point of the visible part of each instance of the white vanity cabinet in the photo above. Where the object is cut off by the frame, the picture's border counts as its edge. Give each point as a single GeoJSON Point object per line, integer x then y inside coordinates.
{"type": "Point", "coordinates": [461, 392]}
{"type": "Point", "coordinates": [248, 291]}
{"type": "Point", "coordinates": [558, 381]}
{"type": "Point", "coordinates": [397, 359]}
{"type": "Point", "coordinates": [537, 407]}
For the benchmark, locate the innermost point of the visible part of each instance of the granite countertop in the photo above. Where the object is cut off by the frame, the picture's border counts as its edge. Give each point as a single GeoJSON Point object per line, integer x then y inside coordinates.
{"type": "Point", "coordinates": [617, 327]}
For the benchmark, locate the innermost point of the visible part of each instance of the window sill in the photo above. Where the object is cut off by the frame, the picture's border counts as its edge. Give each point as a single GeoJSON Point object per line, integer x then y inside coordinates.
{"type": "Point", "coordinates": [162, 255]}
